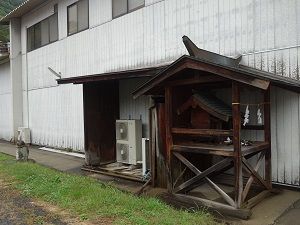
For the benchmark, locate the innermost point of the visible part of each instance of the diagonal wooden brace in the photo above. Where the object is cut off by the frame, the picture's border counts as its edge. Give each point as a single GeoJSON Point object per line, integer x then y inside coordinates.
{"type": "Point", "coordinates": [188, 185]}
{"type": "Point", "coordinates": [251, 178]}
{"type": "Point", "coordinates": [255, 174]}
{"type": "Point", "coordinates": [203, 175]}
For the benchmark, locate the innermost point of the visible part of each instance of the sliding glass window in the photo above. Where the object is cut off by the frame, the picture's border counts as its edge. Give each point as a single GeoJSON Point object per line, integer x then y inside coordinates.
{"type": "Point", "coordinates": [78, 17]}
{"type": "Point", "coordinates": [122, 7]}
{"type": "Point", "coordinates": [43, 33]}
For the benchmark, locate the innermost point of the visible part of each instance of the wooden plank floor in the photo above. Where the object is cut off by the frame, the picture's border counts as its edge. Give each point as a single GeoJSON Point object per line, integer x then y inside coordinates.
{"type": "Point", "coordinates": [217, 149]}
{"type": "Point", "coordinates": [120, 170]}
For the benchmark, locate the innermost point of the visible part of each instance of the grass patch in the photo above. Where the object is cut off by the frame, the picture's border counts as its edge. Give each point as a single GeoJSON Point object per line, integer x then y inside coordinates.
{"type": "Point", "coordinates": [90, 199]}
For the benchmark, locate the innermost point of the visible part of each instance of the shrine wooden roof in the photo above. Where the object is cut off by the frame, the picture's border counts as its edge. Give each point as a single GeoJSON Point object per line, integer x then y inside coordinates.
{"type": "Point", "coordinates": [213, 105]}
{"type": "Point", "coordinates": [209, 103]}
{"type": "Point", "coordinates": [218, 65]}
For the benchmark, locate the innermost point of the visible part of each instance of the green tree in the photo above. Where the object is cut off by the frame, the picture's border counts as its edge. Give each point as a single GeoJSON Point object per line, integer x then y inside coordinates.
{"type": "Point", "coordinates": [5, 7]}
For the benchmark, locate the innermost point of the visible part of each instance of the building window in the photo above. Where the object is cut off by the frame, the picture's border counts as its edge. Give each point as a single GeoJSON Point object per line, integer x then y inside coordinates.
{"type": "Point", "coordinates": [121, 7]}
{"type": "Point", "coordinates": [43, 33]}
{"type": "Point", "coordinates": [53, 28]}
{"type": "Point", "coordinates": [78, 17]}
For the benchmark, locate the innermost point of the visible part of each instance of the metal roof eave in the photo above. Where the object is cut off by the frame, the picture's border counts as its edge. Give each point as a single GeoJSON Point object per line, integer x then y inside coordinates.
{"type": "Point", "coordinates": [116, 75]}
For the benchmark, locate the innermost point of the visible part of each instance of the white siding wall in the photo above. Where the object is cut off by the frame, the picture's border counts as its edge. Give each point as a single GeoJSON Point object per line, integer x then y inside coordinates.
{"type": "Point", "coordinates": [100, 12]}
{"type": "Point", "coordinates": [55, 116]}
{"type": "Point", "coordinates": [285, 130]}
{"type": "Point", "coordinates": [6, 130]}
{"type": "Point", "coordinates": [53, 113]}
{"type": "Point", "coordinates": [266, 32]}
{"type": "Point", "coordinates": [134, 109]}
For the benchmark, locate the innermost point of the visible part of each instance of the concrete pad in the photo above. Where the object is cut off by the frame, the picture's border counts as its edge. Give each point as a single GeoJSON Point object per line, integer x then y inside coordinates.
{"type": "Point", "coordinates": [205, 191]}
{"type": "Point", "coordinates": [79, 155]}
{"type": "Point", "coordinates": [54, 160]}
{"type": "Point", "coordinates": [291, 217]}
{"type": "Point", "coordinates": [271, 208]}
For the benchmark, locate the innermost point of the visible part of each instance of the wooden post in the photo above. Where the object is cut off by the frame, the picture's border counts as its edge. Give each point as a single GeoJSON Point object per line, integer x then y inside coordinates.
{"type": "Point", "coordinates": [152, 146]}
{"type": "Point", "coordinates": [169, 139]}
{"type": "Point", "coordinates": [267, 134]}
{"type": "Point", "coordinates": [236, 122]}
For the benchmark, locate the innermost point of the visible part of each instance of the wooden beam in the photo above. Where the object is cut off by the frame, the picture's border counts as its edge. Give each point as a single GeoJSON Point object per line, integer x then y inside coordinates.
{"type": "Point", "coordinates": [161, 157]}
{"type": "Point", "coordinates": [255, 148]}
{"type": "Point", "coordinates": [205, 149]}
{"type": "Point", "coordinates": [202, 132]}
{"type": "Point", "coordinates": [226, 197]}
{"type": "Point", "coordinates": [189, 63]}
{"type": "Point", "coordinates": [267, 134]}
{"type": "Point", "coordinates": [186, 162]}
{"type": "Point", "coordinates": [186, 105]}
{"type": "Point", "coordinates": [113, 174]}
{"type": "Point", "coordinates": [213, 206]}
{"type": "Point", "coordinates": [251, 178]}
{"type": "Point", "coordinates": [236, 121]}
{"type": "Point", "coordinates": [215, 149]}
{"type": "Point", "coordinates": [152, 144]}
{"type": "Point", "coordinates": [197, 80]}
{"type": "Point", "coordinates": [253, 127]}
{"type": "Point", "coordinates": [191, 183]}
{"type": "Point", "coordinates": [229, 74]}
{"type": "Point", "coordinates": [169, 138]}
{"type": "Point", "coordinates": [255, 174]}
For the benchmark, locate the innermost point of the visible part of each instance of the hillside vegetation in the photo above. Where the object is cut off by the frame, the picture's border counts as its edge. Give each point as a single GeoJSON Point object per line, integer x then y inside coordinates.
{"type": "Point", "coordinates": [5, 7]}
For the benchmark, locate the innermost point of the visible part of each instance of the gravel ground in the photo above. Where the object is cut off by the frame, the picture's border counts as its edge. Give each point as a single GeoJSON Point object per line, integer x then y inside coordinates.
{"type": "Point", "coordinates": [16, 209]}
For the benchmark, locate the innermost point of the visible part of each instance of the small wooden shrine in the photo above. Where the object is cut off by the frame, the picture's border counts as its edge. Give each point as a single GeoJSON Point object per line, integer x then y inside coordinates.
{"type": "Point", "coordinates": [198, 130]}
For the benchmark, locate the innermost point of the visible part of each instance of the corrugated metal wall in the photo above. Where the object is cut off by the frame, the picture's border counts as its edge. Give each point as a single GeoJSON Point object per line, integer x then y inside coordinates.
{"type": "Point", "coordinates": [285, 130]}
{"type": "Point", "coordinates": [6, 125]}
{"type": "Point", "coordinates": [266, 32]}
{"type": "Point", "coordinates": [56, 116]}
{"type": "Point", "coordinates": [134, 109]}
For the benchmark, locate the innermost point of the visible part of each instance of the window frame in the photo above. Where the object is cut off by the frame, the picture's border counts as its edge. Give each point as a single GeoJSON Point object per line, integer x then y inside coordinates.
{"type": "Point", "coordinates": [42, 31]}
{"type": "Point", "coordinates": [128, 11]}
{"type": "Point", "coordinates": [88, 27]}
{"type": "Point", "coordinates": [40, 22]}
{"type": "Point", "coordinates": [56, 27]}
{"type": "Point", "coordinates": [30, 37]}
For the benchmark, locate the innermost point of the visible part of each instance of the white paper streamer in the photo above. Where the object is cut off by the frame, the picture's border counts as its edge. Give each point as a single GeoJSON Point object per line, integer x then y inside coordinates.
{"type": "Point", "coordinates": [246, 117]}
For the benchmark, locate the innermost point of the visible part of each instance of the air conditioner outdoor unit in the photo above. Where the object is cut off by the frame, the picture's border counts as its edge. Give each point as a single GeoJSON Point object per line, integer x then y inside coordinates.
{"type": "Point", "coordinates": [129, 141]}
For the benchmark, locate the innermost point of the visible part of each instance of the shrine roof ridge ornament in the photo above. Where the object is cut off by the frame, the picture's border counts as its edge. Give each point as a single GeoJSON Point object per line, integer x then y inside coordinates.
{"type": "Point", "coordinates": [208, 56]}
